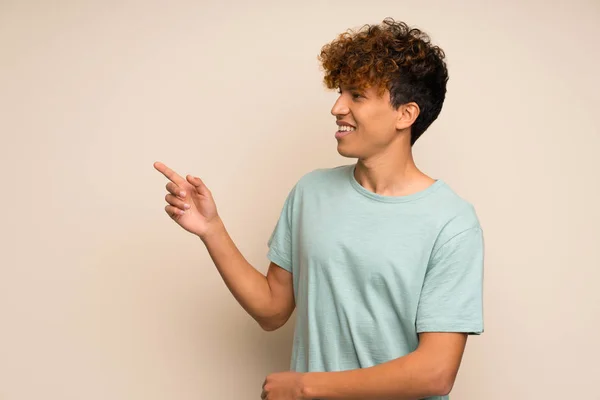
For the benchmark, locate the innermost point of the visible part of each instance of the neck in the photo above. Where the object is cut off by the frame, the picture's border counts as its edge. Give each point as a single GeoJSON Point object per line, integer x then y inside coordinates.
{"type": "Point", "coordinates": [391, 173]}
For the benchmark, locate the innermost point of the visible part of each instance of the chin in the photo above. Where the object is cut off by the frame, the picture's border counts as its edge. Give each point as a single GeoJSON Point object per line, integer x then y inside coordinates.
{"type": "Point", "coordinates": [348, 153]}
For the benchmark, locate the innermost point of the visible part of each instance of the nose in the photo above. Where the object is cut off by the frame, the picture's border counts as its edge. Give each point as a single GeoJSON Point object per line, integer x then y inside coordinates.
{"type": "Point", "coordinates": [340, 108]}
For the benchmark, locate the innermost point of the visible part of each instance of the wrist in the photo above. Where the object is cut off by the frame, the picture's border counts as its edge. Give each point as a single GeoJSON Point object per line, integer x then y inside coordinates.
{"type": "Point", "coordinates": [214, 227]}
{"type": "Point", "coordinates": [307, 385]}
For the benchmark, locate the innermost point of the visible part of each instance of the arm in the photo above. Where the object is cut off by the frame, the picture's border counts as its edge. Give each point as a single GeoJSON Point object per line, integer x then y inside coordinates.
{"type": "Point", "coordinates": [269, 300]}
{"type": "Point", "coordinates": [428, 371]}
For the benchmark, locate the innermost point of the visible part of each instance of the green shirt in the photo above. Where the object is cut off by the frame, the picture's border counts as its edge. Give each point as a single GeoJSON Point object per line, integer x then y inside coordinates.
{"type": "Point", "coordinates": [370, 272]}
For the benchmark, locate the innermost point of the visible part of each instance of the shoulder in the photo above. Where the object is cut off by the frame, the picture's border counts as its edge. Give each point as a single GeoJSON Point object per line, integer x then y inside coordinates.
{"type": "Point", "coordinates": [315, 183]}
{"type": "Point", "coordinates": [454, 215]}
{"type": "Point", "coordinates": [320, 177]}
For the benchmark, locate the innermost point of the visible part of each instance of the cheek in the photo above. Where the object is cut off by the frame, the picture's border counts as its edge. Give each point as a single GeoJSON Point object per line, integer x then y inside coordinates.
{"type": "Point", "coordinates": [380, 128]}
{"type": "Point", "coordinates": [383, 120]}
{"type": "Point", "coordinates": [377, 124]}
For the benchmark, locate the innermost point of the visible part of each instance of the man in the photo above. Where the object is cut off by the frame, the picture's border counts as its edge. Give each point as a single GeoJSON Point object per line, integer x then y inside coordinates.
{"type": "Point", "coordinates": [383, 263]}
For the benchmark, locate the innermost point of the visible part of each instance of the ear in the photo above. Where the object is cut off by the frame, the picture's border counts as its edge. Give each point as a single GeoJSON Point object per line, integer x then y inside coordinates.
{"type": "Point", "coordinates": [407, 114]}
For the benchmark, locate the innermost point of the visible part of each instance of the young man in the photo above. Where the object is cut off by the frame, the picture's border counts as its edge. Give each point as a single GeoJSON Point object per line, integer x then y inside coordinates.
{"type": "Point", "coordinates": [383, 263]}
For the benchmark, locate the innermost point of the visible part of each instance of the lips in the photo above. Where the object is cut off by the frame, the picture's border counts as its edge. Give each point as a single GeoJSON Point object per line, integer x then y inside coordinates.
{"type": "Point", "coordinates": [340, 134]}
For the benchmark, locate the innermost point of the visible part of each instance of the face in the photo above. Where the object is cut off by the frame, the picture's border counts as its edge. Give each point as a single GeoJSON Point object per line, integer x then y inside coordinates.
{"type": "Point", "coordinates": [374, 123]}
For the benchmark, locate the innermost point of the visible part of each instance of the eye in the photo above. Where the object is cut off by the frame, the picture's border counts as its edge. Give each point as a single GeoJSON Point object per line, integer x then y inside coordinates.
{"type": "Point", "coordinates": [355, 95]}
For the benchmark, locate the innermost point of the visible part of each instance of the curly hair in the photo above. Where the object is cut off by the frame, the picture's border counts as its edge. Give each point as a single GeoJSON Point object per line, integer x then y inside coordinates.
{"type": "Point", "coordinates": [390, 56]}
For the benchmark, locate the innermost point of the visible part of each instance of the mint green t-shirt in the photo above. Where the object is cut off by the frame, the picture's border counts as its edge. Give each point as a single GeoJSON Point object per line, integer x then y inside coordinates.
{"type": "Point", "coordinates": [370, 272]}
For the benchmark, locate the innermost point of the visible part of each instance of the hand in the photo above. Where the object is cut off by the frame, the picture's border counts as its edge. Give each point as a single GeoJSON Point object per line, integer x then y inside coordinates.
{"type": "Point", "coordinates": [191, 204]}
{"type": "Point", "coordinates": [283, 386]}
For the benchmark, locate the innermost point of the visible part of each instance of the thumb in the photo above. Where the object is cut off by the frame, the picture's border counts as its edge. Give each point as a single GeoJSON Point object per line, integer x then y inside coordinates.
{"type": "Point", "coordinates": [198, 185]}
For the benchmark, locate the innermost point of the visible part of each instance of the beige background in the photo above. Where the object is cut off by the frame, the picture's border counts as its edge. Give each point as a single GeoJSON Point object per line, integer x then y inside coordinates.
{"type": "Point", "coordinates": [103, 297]}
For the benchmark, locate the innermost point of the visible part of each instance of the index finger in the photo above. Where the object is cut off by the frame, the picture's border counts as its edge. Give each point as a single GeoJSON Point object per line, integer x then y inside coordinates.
{"type": "Point", "coordinates": [169, 173]}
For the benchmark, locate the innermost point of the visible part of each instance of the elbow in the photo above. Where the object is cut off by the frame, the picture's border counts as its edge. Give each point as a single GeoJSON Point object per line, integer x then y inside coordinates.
{"type": "Point", "coordinates": [269, 325]}
{"type": "Point", "coordinates": [274, 322]}
{"type": "Point", "coordinates": [445, 390]}
{"type": "Point", "coordinates": [443, 383]}
{"type": "Point", "coordinates": [269, 328]}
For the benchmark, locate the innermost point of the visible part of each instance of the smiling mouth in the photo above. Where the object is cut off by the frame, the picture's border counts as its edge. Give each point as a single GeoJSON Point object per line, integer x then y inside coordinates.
{"type": "Point", "coordinates": [344, 130]}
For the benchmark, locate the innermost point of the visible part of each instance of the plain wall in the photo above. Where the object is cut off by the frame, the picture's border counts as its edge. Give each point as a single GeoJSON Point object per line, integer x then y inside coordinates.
{"type": "Point", "coordinates": [102, 296]}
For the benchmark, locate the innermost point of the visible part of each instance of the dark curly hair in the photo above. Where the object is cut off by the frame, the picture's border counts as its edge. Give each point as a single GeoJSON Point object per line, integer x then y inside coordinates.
{"type": "Point", "coordinates": [390, 56]}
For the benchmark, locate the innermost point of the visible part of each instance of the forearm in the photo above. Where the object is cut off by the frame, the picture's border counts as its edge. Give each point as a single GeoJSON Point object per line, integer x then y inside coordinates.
{"type": "Point", "coordinates": [248, 285]}
{"type": "Point", "coordinates": [411, 377]}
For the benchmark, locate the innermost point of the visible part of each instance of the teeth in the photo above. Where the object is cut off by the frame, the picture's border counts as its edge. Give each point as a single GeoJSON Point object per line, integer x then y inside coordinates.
{"type": "Point", "coordinates": [344, 128]}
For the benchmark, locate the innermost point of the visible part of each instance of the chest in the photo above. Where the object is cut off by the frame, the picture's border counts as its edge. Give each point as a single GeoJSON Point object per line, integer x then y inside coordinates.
{"type": "Point", "coordinates": [366, 246]}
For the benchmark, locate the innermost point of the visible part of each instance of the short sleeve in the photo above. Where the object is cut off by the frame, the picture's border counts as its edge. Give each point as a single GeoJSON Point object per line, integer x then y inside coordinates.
{"type": "Point", "coordinates": [280, 242]}
{"type": "Point", "coordinates": [452, 294]}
